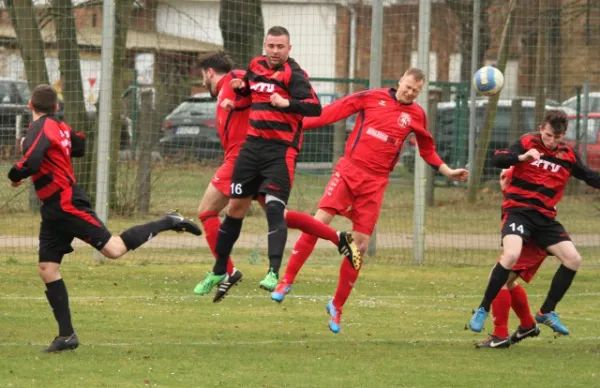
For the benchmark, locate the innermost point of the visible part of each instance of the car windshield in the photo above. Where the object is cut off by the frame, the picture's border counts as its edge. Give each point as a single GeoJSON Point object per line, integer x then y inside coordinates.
{"type": "Point", "coordinates": [196, 108]}
{"type": "Point", "coordinates": [24, 92]}
{"type": "Point", "coordinates": [593, 103]}
{"type": "Point", "coordinates": [590, 135]}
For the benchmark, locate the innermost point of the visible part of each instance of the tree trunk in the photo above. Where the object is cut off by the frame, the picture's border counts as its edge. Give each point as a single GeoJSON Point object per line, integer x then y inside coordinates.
{"type": "Point", "coordinates": [122, 12]}
{"type": "Point", "coordinates": [31, 45]}
{"type": "Point", "coordinates": [483, 141]}
{"type": "Point", "coordinates": [554, 50]}
{"type": "Point", "coordinates": [145, 143]}
{"type": "Point", "coordinates": [70, 75]}
{"type": "Point", "coordinates": [242, 28]}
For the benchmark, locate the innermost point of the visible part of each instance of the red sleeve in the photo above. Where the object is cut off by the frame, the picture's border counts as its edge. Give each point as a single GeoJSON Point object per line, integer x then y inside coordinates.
{"type": "Point", "coordinates": [426, 143]}
{"type": "Point", "coordinates": [336, 111]}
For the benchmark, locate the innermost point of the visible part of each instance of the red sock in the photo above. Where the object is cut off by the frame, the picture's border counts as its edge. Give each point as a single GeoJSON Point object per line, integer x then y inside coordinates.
{"type": "Point", "coordinates": [310, 225]}
{"type": "Point", "coordinates": [520, 305]}
{"type": "Point", "coordinates": [348, 276]}
{"type": "Point", "coordinates": [302, 250]}
{"type": "Point", "coordinates": [500, 312]}
{"type": "Point", "coordinates": [211, 223]}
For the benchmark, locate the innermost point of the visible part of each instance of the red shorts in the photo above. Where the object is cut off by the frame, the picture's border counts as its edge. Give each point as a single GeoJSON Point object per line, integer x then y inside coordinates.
{"type": "Point", "coordinates": [222, 178]}
{"type": "Point", "coordinates": [530, 260]}
{"type": "Point", "coordinates": [356, 194]}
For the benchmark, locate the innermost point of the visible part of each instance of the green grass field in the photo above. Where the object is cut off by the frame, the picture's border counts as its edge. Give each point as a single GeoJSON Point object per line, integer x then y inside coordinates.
{"type": "Point", "coordinates": [403, 326]}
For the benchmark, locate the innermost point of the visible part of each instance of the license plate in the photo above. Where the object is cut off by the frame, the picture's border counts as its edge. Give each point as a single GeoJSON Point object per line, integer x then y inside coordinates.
{"type": "Point", "coordinates": [188, 130]}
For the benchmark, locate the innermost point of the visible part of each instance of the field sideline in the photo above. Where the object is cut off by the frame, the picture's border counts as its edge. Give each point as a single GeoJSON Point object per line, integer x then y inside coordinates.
{"type": "Point", "coordinates": [141, 325]}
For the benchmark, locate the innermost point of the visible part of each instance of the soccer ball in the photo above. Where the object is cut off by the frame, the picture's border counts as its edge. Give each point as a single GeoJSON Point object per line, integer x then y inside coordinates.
{"type": "Point", "coordinates": [488, 81]}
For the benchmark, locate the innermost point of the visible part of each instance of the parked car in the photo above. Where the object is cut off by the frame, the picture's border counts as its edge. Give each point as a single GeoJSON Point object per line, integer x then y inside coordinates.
{"type": "Point", "coordinates": [593, 102]}
{"type": "Point", "coordinates": [191, 130]}
{"type": "Point", "coordinates": [451, 133]}
{"type": "Point", "coordinates": [589, 137]}
{"type": "Point", "coordinates": [14, 97]}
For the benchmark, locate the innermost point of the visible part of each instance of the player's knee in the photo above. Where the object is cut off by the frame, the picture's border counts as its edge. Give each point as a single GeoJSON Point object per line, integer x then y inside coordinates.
{"type": "Point", "coordinates": [509, 259]}
{"type": "Point", "coordinates": [114, 248]}
{"type": "Point", "coordinates": [275, 211]}
{"type": "Point", "coordinates": [573, 261]}
{"type": "Point", "coordinates": [48, 270]}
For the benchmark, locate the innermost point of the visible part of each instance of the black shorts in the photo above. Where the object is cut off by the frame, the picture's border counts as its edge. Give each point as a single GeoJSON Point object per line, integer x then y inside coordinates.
{"type": "Point", "coordinates": [532, 225]}
{"type": "Point", "coordinates": [66, 215]}
{"type": "Point", "coordinates": [264, 167]}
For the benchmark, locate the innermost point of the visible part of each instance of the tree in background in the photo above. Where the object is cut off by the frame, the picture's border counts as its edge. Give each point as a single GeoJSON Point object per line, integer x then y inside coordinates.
{"type": "Point", "coordinates": [242, 28]}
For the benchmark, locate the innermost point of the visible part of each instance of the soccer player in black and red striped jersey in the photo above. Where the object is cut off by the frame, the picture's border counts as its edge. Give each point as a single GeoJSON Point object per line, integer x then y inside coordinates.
{"type": "Point", "coordinates": [542, 164]}
{"type": "Point", "coordinates": [233, 113]}
{"type": "Point", "coordinates": [281, 96]}
{"type": "Point", "coordinates": [66, 209]}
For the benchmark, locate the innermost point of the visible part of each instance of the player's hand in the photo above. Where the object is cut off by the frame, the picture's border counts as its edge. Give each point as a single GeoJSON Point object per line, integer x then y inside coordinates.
{"type": "Point", "coordinates": [17, 184]}
{"type": "Point", "coordinates": [226, 104]}
{"type": "Point", "coordinates": [237, 83]}
{"type": "Point", "coordinates": [459, 174]}
{"type": "Point", "coordinates": [279, 102]}
{"type": "Point", "coordinates": [530, 156]}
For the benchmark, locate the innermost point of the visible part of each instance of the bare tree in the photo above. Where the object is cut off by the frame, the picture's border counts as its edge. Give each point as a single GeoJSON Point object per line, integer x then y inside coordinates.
{"type": "Point", "coordinates": [70, 76]}
{"type": "Point", "coordinates": [242, 27]}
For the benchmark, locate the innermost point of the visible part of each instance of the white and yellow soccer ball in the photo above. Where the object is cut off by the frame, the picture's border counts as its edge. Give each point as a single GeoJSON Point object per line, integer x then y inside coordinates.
{"type": "Point", "coordinates": [488, 81]}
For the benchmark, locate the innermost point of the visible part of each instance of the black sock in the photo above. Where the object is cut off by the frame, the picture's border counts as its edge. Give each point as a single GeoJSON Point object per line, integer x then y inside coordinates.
{"type": "Point", "coordinates": [498, 279]}
{"type": "Point", "coordinates": [228, 235]}
{"type": "Point", "coordinates": [137, 235]}
{"type": "Point", "coordinates": [59, 301]}
{"type": "Point", "coordinates": [277, 237]}
{"type": "Point", "coordinates": [558, 288]}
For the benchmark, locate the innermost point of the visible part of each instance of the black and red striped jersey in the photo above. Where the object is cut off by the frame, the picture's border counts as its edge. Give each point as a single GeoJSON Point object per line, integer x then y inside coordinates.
{"type": "Point", "coordinates": [282, 125]}
{"type": "Point", "coordinates": [47, 150]}
{"type": "Point", "coordinates": [539, 185]}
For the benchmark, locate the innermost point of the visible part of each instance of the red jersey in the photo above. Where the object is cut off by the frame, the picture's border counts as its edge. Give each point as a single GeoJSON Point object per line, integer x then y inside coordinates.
{"type": "Point", "coordinates": [381, 126]}
{"type": "Point", "coordinates": [539, 185]}
{"type": "Point", "coordinates": [48, 147]}
{"type": "Point", "coordinates": [283, 125]}
{"type": "Point", "coordinates": [232, 122]}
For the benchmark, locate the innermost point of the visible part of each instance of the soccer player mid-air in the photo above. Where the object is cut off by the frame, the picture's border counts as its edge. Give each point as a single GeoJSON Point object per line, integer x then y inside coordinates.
{"type": "Point", "coordinates": [356, 188]}
{"type": "Point", "coordinates": [233, 113]}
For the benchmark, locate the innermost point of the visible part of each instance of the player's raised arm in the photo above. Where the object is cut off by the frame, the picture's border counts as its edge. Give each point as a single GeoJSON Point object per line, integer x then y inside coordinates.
{"type": "Point", "coordinates": [336, 111]}
{"type": "Point", "coordinates": [516, 153]}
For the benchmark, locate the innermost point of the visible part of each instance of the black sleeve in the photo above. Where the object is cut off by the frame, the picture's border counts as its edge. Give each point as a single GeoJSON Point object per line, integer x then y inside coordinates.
{"type": "Point", "coordinates": [77, 144]}
{"type": "Point", "coordinates": [245, 91]}
{"type": "Point", "coordinates": [34, 148]}
{"type": "Point", "coordinates": [304, 100]}
{"type": "Point", "coordinates": [508, 157]}
{"type": "Point", "coordinates": [586, 174]}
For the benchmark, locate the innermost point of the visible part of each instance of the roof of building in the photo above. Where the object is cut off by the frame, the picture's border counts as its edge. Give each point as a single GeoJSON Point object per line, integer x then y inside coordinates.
{"type": "Point", "coordinates": [136, 39]}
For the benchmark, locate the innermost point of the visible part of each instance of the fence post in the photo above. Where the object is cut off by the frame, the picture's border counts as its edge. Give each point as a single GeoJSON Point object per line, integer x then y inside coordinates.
{"type": "Point", "coordinates": [423, 100]}
{"type": "Point", "coordinates": [104, 114]}
{"type": "Point", "coordinates": [375, 76]}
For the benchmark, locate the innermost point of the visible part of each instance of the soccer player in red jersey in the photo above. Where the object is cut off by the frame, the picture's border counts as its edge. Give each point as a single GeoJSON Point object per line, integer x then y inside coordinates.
{"type": "Point", "coordinates": [385, 118]}
{"type": "Point", "coordinates": [66, 209]}
{"type": "Point", "coordinates": [542, 164]}
{"type": "Point", "coordinates": [233, 112]}
{"type": "Point", "coordinates": [281, 95]}
{"type": "Point", "coordinates": [513, 295]}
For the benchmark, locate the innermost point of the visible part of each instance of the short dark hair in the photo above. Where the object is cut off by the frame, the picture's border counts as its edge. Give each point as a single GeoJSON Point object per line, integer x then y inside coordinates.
{"type": "Point", "coordinates": [557, 119]}
{"type": "Point", "coordinates": [219, 61]}
{"type": "Point", "coordinates": [416, 73]}
{"type": "Point", "coordinates": [278, 31]}
{"type": "Point", "coordinates": [44, 99]}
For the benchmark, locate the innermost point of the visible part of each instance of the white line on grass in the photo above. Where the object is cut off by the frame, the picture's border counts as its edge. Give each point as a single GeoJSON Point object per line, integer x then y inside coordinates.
{"type": "Point", "coordinates": [291, 342]}
{"type": "Point", "coordinates": [265, 296]}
